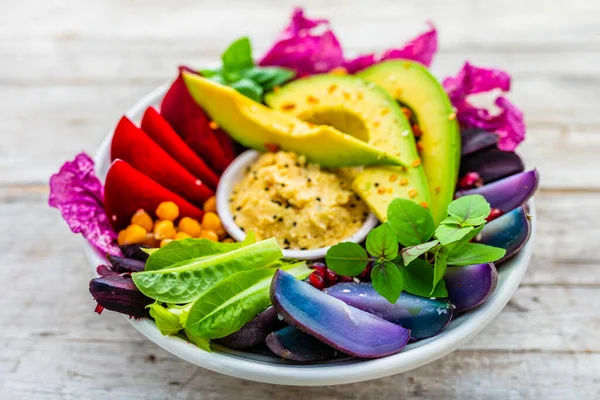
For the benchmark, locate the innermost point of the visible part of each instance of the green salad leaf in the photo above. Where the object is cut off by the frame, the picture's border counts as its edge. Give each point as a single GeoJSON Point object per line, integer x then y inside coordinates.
{"type": "Point", "coordinates": [187, 280]}
{"type": "Point", "coordinates": [238, 56]}
{"type": "Point", "coordinates": [347, 258]}
{"type": "Point", "coordinates": [472, 210]}
{"type": "Point", "coordinates": [235, 301]}
{"type": "Point", "coordinates": [188, 249]}
{"type": "Point", "coordinates": [447, 234]}
{"type": "Point", "coordinates": [387, 280]}
{"type": "Point", "coordinates": [411, 223]}
{"type": "Point", "coordinates": [167, 319]}
{"type": "Point", "coordinates": [411, 253]}
{"type": "Point", "coordinates": [382, 242]}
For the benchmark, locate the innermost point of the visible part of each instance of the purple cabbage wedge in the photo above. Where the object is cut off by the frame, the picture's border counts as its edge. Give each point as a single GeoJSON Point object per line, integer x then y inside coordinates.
{"type": "Point", "coordinates": [510, 232]}
{"type": "Point", "coordinates": [470, 286]}
{"type": "Point", "coordinates": [293, 344]}
{"type": "Point", "coordinates": [423, 316]}
{"type": "Point", "coordinates": [254, 332]}
{"type": "Point", "coordinates": [491, 164]}
{"type": "Point", "coordinates": [123, 264]}
{"type": "Point", "coordinates": [474, 140]}
{"type": "Point", "coordinates": [119, 293]}
{"type": "Point", "coordinates": [508, 193]}
{"type": "Point", "coordinates": [333, 322]}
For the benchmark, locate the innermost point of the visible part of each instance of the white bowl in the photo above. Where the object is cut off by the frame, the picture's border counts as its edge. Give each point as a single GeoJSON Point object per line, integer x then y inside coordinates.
{"type": "Point", "coordinates": [233, 174]}
{"type": "Point", "coordinates": [270, 369]}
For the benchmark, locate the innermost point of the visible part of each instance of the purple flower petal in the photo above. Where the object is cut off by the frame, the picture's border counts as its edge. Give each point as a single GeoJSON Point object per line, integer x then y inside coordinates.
{"type": "Point", "coordinates": [78, 194]}
{"type": "Point", "coordinates": [361, 62]}
{"type": "Point", "coordinates": [420, 49]}
{"type": "Point", "coordinates": [509, 124]}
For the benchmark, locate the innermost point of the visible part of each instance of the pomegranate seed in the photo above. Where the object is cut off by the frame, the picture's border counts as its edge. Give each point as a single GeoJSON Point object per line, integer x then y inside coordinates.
{"type": "Point", "coordinates": [494, 213]}
{"type": "Point", "coordinates": [366, 274]}
{"type": "Point", "coordinates": [319, 268]}
{"type": "Point", "coordinates": [345, 279]}
{"type": "Point", "coordinates": [470, 180]}
{"type": "Point", "coordinates": [330, 277]}
{"type": "Point", "coordinates": [99, 309]}
{"type": "Point", "coordinates": [316, 281]}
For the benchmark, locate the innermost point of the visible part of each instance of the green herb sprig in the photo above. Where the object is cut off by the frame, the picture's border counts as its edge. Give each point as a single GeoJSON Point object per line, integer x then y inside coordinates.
{"type": "Point", "coordinates": [239, 72]}
{"type": "Point", "coordinates": [419, 267]}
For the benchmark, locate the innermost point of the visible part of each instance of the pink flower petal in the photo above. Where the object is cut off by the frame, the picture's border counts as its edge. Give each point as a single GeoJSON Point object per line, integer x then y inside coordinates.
{"type": "Point", "coordinates": [78, 194]}
{"type": "Point", "coordinates": [420, 49]}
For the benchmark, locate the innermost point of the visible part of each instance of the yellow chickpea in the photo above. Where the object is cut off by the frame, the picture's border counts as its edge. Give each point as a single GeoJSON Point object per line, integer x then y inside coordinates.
{"type": "Point", "coordinates": [221, 233]}
{"type": "Point", "coordinates": [190, 226]}
{"type": "Point", "coordinates": [134, 234]}
{"type": "Point", "coordinates": [165, 241]}
{"type": "Point", "coordinates": [211, 221]}
{"type": "Point", "coordinates": [210, 235]}
{"type": "Point", "coordinates": [210, 205]}
{"type": "Point", "coordinates": [164, 230]}
{"type": "Point", "coordinates": [181, 235]}
{"type": "Point", "coordinates": [143, 219]}
{"type": "Point", "coordinates": [228, 240]}
{"type": "Point", "coordinates": [167, 211]}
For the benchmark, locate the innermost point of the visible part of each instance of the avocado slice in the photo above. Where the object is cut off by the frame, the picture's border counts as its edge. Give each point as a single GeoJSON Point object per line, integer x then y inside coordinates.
{"type": "Point", "coordinates": [413, 85]}
{"type": "Point", "coordinates": [262, 128]}
{"type": "Point", "coordinates": [368, 113]}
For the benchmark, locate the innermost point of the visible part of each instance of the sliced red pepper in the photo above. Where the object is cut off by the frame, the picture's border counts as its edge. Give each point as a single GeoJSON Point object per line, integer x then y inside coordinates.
{"type": "Point", "coordinates": [127, 190]}
{"type": "Point", "coordinates": [131, 144]}
{"type": "Point", "coordinates": [191, 123]}
{"type": "Point", "coordinates": [159, 130]}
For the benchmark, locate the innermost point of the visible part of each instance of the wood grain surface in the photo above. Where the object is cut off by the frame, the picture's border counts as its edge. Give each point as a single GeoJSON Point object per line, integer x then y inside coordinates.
{"type": "Point", "coordinates": [69, 69]}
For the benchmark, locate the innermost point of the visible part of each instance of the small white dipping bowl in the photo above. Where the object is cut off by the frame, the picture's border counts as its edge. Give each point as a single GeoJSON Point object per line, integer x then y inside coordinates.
{"type": "Point", "coordinates": [233, 174]}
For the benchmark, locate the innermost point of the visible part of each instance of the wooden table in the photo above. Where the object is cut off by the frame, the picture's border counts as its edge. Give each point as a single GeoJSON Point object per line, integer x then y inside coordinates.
{"type": "Point", "coordinates": [69, 69]}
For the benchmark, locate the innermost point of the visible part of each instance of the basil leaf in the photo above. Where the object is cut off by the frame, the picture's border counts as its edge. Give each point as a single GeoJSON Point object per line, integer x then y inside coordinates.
{"type": "Point", "coordinates": [439, 268]}
{"type": "Point", "coordinates": [411, 253]}
{"type": "Point", "coordinates": [381, 242]}
{"type": "Point", "coordinates": [387, 280]}
{"type": "Point", "coordinates": [411, 223]}
{"type": "Point", "coordinates": [186, 249]}
{"type": "Point", "coordinates": [347, 259]}
{"type": "Point", "coordinates": [219, 79]}
{"type": "Point", "coordinates": [235, 301]}
{"type": "Point", "coordinates": [187, 280]}
{"type": "Point", "coordinates": [418, 280]}
{"type": "Point", "coordinates": [249, 89]}
{"type": "Point", "coordinates": [474, 253]}
{"type": "Point", "coordinates": [209, 73]}
{"type": "Point", "coordinates": [269, 77]}
{"type": "Point", "coordinates": [238, 56]}
{"type": "Point", "coordinates": [472, 207]}
{"type": "Point", "coordinates": [447, 234]}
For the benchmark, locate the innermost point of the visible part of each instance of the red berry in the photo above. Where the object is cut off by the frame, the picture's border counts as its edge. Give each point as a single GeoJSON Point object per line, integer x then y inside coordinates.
{"type": "Point", "coordinates": [366, 274]}
{"type": "Point", "coordinates": [470, 180]}
{"type": "Point", "coordinates": [330, 277]}
{"type": "Point", "coordinates": [316, 281]}
{"type": "Point", "coordinates": [494, 213]}
{"type": "Point", "coordinates": [345, 279]}
{"type": "Point", "coordinates": [319, 268]}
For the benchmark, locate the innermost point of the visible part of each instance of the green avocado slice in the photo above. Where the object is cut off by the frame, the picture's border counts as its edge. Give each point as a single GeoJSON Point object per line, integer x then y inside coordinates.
{"type": "Point", "coordinates": [413, 85]}
{"type": "Point", "coordinates": [369, 113]}
{"type": "Point", "coordinates": [262, 128]}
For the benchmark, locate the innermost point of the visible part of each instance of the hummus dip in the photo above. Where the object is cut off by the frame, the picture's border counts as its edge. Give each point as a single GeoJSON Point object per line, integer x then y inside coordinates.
{"type": "Point", "coordinates": [299, 204]}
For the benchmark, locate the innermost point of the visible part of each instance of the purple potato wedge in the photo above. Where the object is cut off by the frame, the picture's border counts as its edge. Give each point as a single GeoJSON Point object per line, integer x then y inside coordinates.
{"type": "Point", "coordinates": [509, 232]}
{"type": "Point", "coordinates": [474, 140]}
{"type": "Point", "coordinates": [135, 251]}
{"type": "Point", "coordinates": [293, 344]}
{"type": "Point", "coordinates": [508, 193]}
{"type": "Point", "coordinates": [254, 332]}
{"type": "Point", "coordinates": [470, 286]}
{"type": "Point", "coordinates": [122, 264]}
{"type": "Point", "coordinates": [333, 322]}
{"type": "Point", "coordinates": [119, 293]}
{"type": "Point", "coordinates": [104, 270]}
{"type": "Point", "coordinates": [491, 164]}
{"type": "Point", "coordinates": [424, 317]}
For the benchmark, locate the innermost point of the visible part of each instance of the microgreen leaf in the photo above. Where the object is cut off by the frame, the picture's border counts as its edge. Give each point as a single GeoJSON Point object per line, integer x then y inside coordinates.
{"type": "Point", "coordinates": [472, 207]}
{"type": "Point", "coordinates": [381, 242]}
{"type": "Point", "coordinates": [411, 223]}
{"type": "Point", "coordinates": [238, 56]}
{"type": "Point", "coordinates": [249, 89]}
{"type": "Point", "coordinates": [418, 280]}
{"type": "Point", "coordinates": [439, 268]}
{"type": "Point", "coordinates": [474, 253]}
{"type": "Point", "coordinates": [412, 252]}
{"type": "Point", "coordinates": [347, 259]}
{"type": "Point", "coordinates": [387, 280]}
{"type": "Point", "coordinates": [447, 234]}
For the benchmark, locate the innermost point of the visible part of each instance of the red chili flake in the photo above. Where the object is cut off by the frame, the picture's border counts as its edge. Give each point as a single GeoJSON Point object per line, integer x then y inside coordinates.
{"type": "Point", "coordinates": [312, 100]}
{"type": "Point", "coordinates": [288, 107]}
{"type": "Point", "coordinates": [416, 163]}
{"type": "Point", "coordinates": [407, 113]}
{"type": "Point", "coordinates": [272, 147]}
{"type": "Point", "coordinates": [417, 131]}
{"type": "Point", "coordinates": [99, 309]}
{"type": "Point", "coordinates": [332, 88]}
